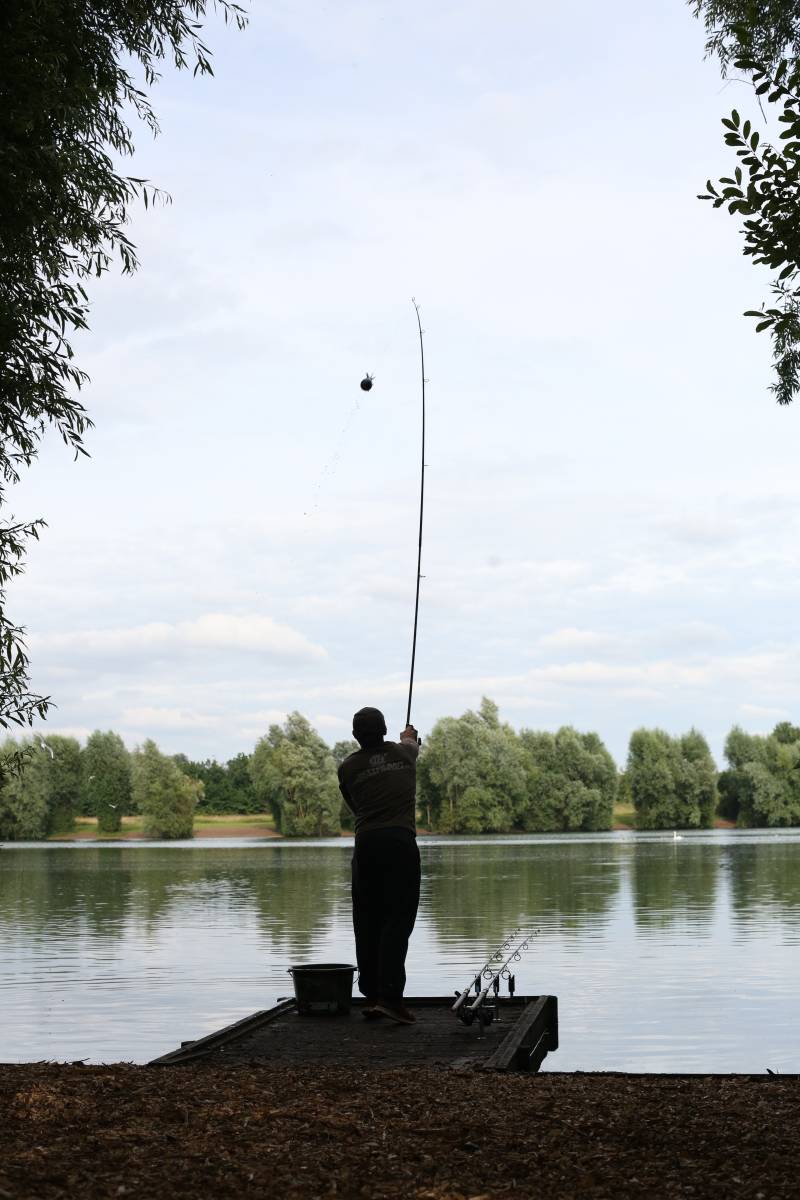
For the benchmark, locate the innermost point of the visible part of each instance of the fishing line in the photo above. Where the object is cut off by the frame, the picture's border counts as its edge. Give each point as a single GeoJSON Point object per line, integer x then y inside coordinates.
{"type": "Point", "coordinates": [329, 469]}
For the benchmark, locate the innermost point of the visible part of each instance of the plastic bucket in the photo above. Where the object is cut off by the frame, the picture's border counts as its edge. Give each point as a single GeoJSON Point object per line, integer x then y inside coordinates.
{"type": "Point", "coordinates": [324, 988]}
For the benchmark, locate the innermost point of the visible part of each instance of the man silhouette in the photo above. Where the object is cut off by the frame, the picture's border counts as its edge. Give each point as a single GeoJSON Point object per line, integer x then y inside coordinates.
{"type": "Point", "coordinates": [378, 783]}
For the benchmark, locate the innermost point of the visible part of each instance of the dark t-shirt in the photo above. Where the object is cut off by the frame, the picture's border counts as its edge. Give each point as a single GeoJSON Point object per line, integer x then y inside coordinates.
{"type": "Point", "coordinates": [380, 786]}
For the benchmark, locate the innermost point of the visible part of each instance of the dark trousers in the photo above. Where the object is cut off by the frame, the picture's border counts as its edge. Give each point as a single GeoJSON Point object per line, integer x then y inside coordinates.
{"type": "Point", "coordinates": [386, 876]}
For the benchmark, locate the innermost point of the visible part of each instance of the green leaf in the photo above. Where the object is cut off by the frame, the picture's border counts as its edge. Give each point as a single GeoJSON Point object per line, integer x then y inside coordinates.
{"type": "Point", "coordinates": [763, 325]}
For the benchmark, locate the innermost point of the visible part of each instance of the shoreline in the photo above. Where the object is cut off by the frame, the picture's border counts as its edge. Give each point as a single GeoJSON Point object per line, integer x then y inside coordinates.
{"type": "Point", "coordinates": [243, 826]}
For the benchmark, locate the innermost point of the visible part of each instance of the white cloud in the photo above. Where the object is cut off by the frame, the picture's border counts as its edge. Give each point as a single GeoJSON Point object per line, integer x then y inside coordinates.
{"type": "Point", "coordinates": [759, 711]}
{"type": "Point", "coordinates": [577, 639]}
{"type": "Point", "coordinates": [81, 732]}
{"type": "Point", "coordinates": [703, 531]}
{"type": "Point", "coordinates": [338, 725]}
{"type": "Point", "coordinates": [213, 632]}
{"type": "Point", "coordinates": [165, 718]}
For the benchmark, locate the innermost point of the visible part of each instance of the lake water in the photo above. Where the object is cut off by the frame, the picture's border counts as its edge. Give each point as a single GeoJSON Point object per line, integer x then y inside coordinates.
{"type": "Point", "coordinates": [665, 955]}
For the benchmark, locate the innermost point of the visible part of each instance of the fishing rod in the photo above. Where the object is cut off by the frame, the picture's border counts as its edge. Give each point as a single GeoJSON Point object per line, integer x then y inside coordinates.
{"type": "Point", "coordinates": [479, 1007]}
{"type": "Point", "coordinates": [487, 966]}
{"type": "Point", "coordinates": [501, 972]}
{"type": "Point", "coordinates": [421, 511]}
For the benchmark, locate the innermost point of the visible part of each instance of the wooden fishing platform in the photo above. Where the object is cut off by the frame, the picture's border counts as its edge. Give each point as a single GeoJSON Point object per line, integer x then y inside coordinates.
{"type": "Point", "coordinates": [525, 1030]}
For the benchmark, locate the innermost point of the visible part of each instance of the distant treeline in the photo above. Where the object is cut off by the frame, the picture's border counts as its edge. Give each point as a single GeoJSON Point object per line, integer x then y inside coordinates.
{"type": "Point", "coordinates": [476, 775]}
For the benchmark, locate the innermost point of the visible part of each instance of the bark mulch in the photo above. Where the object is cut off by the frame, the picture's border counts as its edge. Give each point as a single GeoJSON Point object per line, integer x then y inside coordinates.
{"type": "Point", "coordinates": [422, 1133]}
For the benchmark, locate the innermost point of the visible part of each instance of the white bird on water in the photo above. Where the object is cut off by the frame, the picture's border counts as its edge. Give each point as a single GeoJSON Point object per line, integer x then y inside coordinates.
{"type": "Point", "coordinates": [676, 837]}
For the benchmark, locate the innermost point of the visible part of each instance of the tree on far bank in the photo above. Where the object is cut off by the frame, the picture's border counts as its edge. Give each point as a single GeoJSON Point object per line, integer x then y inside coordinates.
{"type": "Point", "coordinates": [342, 749]}
{"type": "Point", "coordinates": [340, 752]}
{"type": "Point", "coordinates": [106, 791]}
{"type": "Point", "coordinates": [742, 747]}
{"type": "Point", "coordinates": [238, 769]}
{"type": "Point", "coordinates": [672, 780]}
{"type": "Point", "coordinates": [164, 796]}
{"type": "Point", "coordinates": [698, 791]}
{"type": "Point", "coordinates": [294, 776]}
{"type": "Point", "coordinates": [571, 781]}
{"type": "Point", "coordinates": [786, 733]}
{"type": "Point", "coordinates": [762, 785]}
{"type": "Point", "coordinates": [735, 784]}
{"type": "Point", "coordinates": [62, 761]}
{"type": "Point", "coordinates": [40, 798]}
{"type": "Point", "coordinates": [24, 807]}
{"type": "Point", "coordinates": [471, 774]}
{"type": "Point", "coordinates": [227, 787]}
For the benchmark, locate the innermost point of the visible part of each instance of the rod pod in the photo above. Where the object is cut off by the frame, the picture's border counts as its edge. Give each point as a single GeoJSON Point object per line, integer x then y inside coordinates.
{"type": "Point", "coordinates": [495, 976]}
{"type": "Point", "coordinates": [475, 981]}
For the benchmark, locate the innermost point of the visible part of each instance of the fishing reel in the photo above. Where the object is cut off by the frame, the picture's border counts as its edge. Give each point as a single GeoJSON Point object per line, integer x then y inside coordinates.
{"type": "Point", "coordinates": [484, 1014]}
{"type": "Point", "coordinates": [483, 1009]}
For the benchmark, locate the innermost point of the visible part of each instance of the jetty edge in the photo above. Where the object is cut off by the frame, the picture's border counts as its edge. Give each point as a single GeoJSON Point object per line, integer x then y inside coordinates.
{"type": "Point", "coordinates": [523, 1032]}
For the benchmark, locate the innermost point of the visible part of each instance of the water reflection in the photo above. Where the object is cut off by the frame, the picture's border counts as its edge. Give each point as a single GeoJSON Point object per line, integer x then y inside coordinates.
{"type": "Point", "coordinates": [765, 883]}
{"type": "Point", "coordinates": [292, 892]}
{"type": "Point", "coordinates": [673, 881]}
{"type": "Point", "coordinates": [120, 952]}
{"type": "Point", "coordinates": [479, 891]}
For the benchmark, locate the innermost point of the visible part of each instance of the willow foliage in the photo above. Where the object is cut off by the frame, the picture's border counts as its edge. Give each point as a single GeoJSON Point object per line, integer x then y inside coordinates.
{"type": "Point", "coordinates": [67, 93]}
{"type": "Point", "coordinates": [761, 40]}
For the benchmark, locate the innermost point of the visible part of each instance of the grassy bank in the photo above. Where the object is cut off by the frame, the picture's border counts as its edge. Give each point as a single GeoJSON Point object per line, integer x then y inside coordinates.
{"type": "Point", "coordinates": [263, 825]}
{"type": "Point", "coordinates": [205, 825]}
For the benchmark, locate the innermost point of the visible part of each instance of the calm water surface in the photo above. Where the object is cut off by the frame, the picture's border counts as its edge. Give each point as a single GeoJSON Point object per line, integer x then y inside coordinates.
{"type": "Point", "coordinates": [666, 955]}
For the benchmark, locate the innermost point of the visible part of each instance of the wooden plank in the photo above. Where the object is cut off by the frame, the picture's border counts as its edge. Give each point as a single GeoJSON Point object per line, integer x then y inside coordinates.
{"type": "Point", "coordinates": [532, 1059]}
{"type": "Point", "coordinates": [197, 1048]}
{"type": "Point", "coordinates": [535, 1030]}
{"type": "Point", "coordinates": [203, 1045]}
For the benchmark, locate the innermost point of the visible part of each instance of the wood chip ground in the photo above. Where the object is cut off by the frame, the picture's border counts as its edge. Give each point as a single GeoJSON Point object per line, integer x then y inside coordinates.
{"type": "Point", "coordinates": [423, 1133]}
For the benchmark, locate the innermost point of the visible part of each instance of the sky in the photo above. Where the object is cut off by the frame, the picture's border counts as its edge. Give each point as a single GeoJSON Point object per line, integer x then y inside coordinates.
{"type": "Point", "coordinates": [611, 530]}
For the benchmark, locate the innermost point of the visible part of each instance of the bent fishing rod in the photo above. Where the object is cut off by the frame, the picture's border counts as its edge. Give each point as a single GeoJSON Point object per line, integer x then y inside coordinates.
{"type": "Point", "coordinates": [421, 511]}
